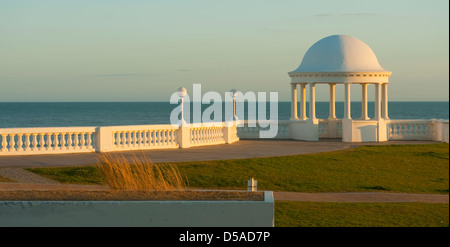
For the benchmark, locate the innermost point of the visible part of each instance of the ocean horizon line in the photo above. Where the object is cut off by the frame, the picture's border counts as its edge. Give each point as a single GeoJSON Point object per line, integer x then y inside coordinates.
{"type": "Point", "coordinates": [390, 101]}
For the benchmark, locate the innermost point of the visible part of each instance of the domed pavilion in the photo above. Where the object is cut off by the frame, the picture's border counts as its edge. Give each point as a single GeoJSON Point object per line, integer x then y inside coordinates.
{"type": "Point", "coordinates": [339, 59]}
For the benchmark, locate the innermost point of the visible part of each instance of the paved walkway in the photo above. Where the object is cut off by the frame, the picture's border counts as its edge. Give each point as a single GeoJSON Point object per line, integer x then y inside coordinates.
{"type": "Point", "coordinates": [11, 167]}
{"type": "Point", "coordinates": [239, 150]}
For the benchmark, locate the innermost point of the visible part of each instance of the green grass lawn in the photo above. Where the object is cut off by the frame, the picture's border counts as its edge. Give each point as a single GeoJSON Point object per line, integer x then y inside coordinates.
{"type": "Point", "coordinates": [332, 214]}
{"type": "Point", "coordinates": [394, 168]}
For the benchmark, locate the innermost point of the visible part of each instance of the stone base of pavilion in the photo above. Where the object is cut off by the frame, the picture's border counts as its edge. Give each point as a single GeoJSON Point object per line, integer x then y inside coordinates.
{"type": "Point", "coordinates": [351, 130]}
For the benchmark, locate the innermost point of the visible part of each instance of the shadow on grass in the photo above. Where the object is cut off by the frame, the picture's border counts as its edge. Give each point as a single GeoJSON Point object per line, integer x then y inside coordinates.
{"type": "Point", "coordinates": [374, 188]}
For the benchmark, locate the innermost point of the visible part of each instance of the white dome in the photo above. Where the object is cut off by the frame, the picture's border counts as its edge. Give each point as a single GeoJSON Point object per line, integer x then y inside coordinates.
{"type": "Point", "coordinates": [339, 53]}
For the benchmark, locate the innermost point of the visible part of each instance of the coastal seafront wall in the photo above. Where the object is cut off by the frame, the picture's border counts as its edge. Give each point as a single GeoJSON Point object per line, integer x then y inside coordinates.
{"type": "Point", "coordinates": [30, 141]}
{"type": "Point", "coordinates": [139, 213]}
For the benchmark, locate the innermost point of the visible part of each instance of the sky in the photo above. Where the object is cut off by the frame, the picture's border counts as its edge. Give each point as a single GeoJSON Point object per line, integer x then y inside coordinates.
{"type": "Point", "coordinates": [140, 51]}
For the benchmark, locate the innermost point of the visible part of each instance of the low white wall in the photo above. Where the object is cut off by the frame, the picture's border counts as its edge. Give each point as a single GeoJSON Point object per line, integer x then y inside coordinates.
{"type": "Point", "coordinates": [31, 141]}
{"type": "Point", "coordinates": [305, 130]}
{"type": "Point", "coordinates": [139, 213]}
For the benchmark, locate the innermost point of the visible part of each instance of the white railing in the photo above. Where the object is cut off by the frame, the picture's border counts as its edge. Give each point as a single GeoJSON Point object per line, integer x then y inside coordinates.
{"type": "Point", "coordinates": [24, 141]}
{"type": "Point", "coordinates": [201, 135]}
{"type": "Point", "coordinates": [20, 141]}
{"type": "Point", "coordinates": [29, 141]}
{"type": "Point", "coordinates": [144, 137]}
{"type": "Point", "coordinates": [410, 130]}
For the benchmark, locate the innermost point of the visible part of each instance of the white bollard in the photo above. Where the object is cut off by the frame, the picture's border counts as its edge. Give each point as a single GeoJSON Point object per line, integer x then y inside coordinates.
{"type": "Point", "coordinates": [252, 185]}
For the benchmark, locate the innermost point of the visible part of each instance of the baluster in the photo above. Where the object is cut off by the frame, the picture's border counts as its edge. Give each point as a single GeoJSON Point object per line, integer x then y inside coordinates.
{"type": "Point", "coordinates": [4, 143]}
{"type": "Point", "coordinates": [123, 138]}
{"type": "Point", "coordinates": [12, 143]}
{"type": "Point", "coordinates": [158, 139]}
{"type": "Point", "coordinates": [89, 140]}
{"type": "Point", "coordinates": [128, 140]}
{"type": "Point", "coordinates": [194, 135]}
{"type": "Point", "coordinates": [205, 135]}
{"type": "Point", "coordinates": [151, 136]}
{"type": "Point", "coordinates": [34, 142]}
{"type": "Point", "coordinates": [55, 141]}
{"type": "Point", "coordinates": [76, 141]}
{"type": "Point", "coordinates": [82, 140]}
{"type": "Point", "coordinates": [145, 138]}
{"type": "Point", "coordinates": [140, 138]}
{"type": "Point", "coordinates": [27, 142]}
{"type": "Point", "coordinates": [63, 141]}
{"type": "Point", "coordinates": [133, 138]}
{"type": "Point", "coordinates": [162, 138]}
{"type": "Point", "coordinates": [69, 140]}
{"type": "Point", "coordinates": [49, 141]}
{"type": "Point", "coordinates": [41, 141]}
{"type": "Point", "coordinates": [154, 138]}
{"type": "Point", "coordinates": [19, 142]}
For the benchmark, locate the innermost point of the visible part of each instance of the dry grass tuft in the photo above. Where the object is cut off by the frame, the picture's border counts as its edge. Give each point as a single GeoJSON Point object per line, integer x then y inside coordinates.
{"type": "Point", "coordinates": [138, 173]}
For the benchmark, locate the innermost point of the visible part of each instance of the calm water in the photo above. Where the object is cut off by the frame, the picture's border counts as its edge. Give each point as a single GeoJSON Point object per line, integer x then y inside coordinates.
{"type": "Point", "coordinates": [109, 114]}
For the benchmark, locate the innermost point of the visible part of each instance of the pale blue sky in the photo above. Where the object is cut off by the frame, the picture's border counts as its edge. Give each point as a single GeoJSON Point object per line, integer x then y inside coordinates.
{"type": "Point", "coordinates": [92, 50]}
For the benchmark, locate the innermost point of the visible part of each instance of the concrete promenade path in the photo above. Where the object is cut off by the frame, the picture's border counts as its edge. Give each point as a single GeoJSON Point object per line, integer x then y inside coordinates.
{"type": "Point", "coordinates": [239, 150]}
{"type": "Point", "coordinates": [11, 167]}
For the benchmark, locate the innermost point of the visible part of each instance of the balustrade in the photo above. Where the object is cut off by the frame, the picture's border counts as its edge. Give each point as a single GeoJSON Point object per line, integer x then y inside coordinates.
{"type": "Point", "coordinates": [46, 140]}
{"type": "Point", "coordinates": [409, 130]}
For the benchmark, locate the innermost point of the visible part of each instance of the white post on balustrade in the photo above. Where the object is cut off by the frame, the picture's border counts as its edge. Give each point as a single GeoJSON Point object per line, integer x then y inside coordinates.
{"type": "Point", "coordinates": [234, 94]}
{"type": "Point", "coordinates": [184, 132]}
{"type": "Point", "coordinates": [182, 93]}
{"type": "Point", "coordinates": [104, 139]}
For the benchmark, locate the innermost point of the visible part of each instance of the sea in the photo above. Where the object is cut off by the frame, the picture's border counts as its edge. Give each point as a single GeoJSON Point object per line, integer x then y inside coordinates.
{"type": "Point", "coordinates": [65, 114]}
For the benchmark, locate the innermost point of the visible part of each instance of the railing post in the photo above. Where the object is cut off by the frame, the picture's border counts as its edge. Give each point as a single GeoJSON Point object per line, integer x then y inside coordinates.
{"type": "Point", "coordinates": [230, 132]}
{"type": "Point", "coordinates": [184, 136]}
{"type": "Point", "coordinates": [104, 137]}
{"type": "Point", "coordinates": [436, 130]}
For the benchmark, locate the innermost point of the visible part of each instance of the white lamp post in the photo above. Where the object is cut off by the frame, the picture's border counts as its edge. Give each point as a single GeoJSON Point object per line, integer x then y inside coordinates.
{"type": "Point", "coordinates": [234, 93]}
{"type": "Point", "coordinates": [182, 92]}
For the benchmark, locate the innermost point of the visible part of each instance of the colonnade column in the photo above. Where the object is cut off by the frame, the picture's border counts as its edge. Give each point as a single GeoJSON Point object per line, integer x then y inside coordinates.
{"type": "Point", "coordinates": [312, 101]}
{"type": "Point", "coordinates": [364, 114]}
{"type": "Point", "coordinates": [294, 101]}
{"type": "Point", "coordinates": [332, 101]}
{"type": "Point", "coordinates": [347, 101]}
{"type": "Point", "coordinates": [377, 101]}
{"type": "Point", "coordinates": [385, 101]}
{"type": "Point", "coordinates": [303, 101]}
